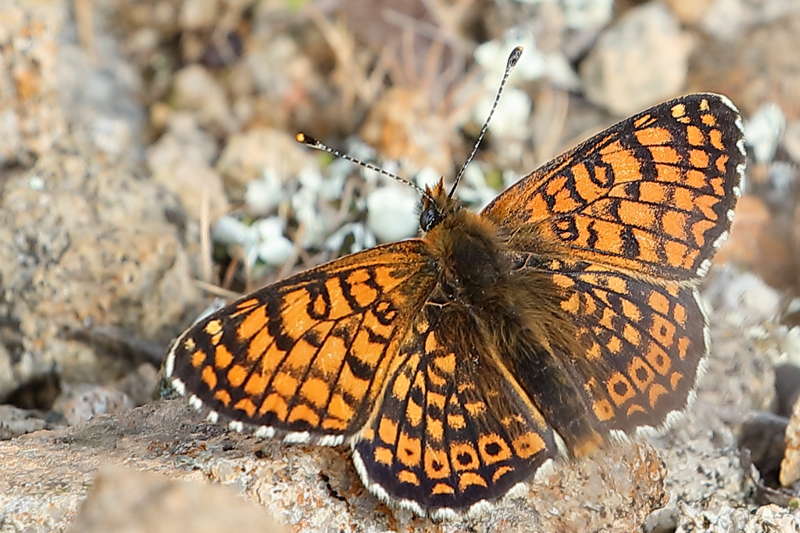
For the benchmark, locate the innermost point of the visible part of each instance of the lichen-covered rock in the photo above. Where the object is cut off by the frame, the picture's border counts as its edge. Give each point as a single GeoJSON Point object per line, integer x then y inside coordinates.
{"type": "Point", "coordinates": [773, 519]}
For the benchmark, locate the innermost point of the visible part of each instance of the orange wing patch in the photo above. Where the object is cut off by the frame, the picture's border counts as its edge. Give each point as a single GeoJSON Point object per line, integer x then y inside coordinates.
{"type": "Point", "coordinates": [652, 194]}
{"type": "Point", "coordinates": [308, 355]}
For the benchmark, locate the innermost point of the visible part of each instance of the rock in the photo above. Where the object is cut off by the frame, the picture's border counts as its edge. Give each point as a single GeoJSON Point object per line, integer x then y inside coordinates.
{"type": "Point", "coordinates": [99, 92]}
{"type": "Point", "coordinates": [791, 140]}
{"type": "Point", "coordinates": [763, 131]}
{"type": "Point", "coordinates": [743, 297]}
{"type": "Point", "coordinates": [512, 118]}
{"type": "Point", "coordinates": [126, 501]}
{"type": "Point", "coordinates": [199, 14]}
{"type": "Point", "coordinates": [641, 60]}
{"type": "Point", "coordinates": [15, 422]}
{"type": "Point", "coordinates": [787, 381]}
{"type": "Point", "coordinates": [790, 466]}
{"type": "Point", "coordinates": [783, 179]}
{"type": "Point", "coordinates": [181, 161]}
{"type": "Point", "coordinates": [84, 240]}
{"type": "Point", "coordinates": [139, 385]}
{"type": "Point", "coordinates": [392, 213]}
{"type": "Point", "coordinates": [71, 258]}
{"type": "Point", "coordinates": [83, 402]}
{"type": "Point", "coordinates": [690, 12]}
{"type": "Point", "coordinates": [197, 91]}
{"type": "Point", "coordinates": [748, 70]}
{"type": "Point", "coordinates": [758, 241]}
{"type": "Point", "coordinates": [302, 97]}
{"type": "Point", "coordinates": [47, 473]}
{"type": "Point", "coordinates": [249, 154]}
{"type": "Point", "coordinates": [271, 245]}
{"type": "Point", "coordinates": [405, 125]}
{"type": "Point", "coordinates": [763, 435]}
{"type": "Point", "coordinates": [31, 117]}
{"type": "Point", "coordinates": [541, 58]}
{"type": "Point", "coordinates": [773, 519]}
{"type": "Point", "coordinates": [728, 19]}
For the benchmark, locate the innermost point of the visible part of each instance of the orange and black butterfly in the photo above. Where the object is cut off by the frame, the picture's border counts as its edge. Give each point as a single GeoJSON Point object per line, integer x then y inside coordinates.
{"type": "Point", "coordinates": [457, 364]}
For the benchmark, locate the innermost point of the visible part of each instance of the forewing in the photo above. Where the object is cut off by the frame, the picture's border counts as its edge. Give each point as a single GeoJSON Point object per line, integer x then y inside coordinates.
{"type": "Point", "coordinates": [643, 343]}
{"type": "Point", "coordinates": [653, 194]}
{"type": "Point", "coordinates": [306, 357]}
{"type": "Point", "coordinates": [449, 434]}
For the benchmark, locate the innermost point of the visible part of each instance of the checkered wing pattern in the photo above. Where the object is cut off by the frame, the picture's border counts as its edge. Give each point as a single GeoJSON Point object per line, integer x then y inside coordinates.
{"type": "Point", "coordinates": [452, 429]}
{"type": "Point", "coordinates": [653, 194]}
{"type": "Point", "coordinates": [642, 342]}
{"type": "Point", "coordinates": [306, 357]}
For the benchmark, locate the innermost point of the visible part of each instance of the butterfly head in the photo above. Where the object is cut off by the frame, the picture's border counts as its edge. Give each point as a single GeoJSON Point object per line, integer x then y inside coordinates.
{"type": "Point", "coordinates": [435, 206]}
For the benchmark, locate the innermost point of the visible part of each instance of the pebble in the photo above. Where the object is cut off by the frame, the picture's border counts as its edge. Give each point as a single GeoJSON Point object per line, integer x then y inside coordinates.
{"type": "Point", "coordinates": [80, 403]}
{"type": "Point", "coordinates": [391, 213]}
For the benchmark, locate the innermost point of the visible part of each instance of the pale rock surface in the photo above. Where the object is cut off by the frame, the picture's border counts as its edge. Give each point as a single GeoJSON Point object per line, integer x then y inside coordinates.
{"type": "Point", "coordinates": [181, 161]}
{"type": "Point", "coordinates": [31, 119]}
{"type": "Point", "coordinates": [196, 90]}
{"type": "Point", "coordinates": [85, 242]}
{"type": "Point", "coordinates": [47, 475]}
{"type": "Point", "coordinates": [15, 422]}
{"type": "Point", "coordinates": [249, 154]}
{"type": "Point", "coordinates": [126, 501]}
{"type": "Point", "coordinates": [641, 60]}
{"type": "Point", "coordinates": [84, 401]}
{"type": "Point", "coordinates": [790, 466]}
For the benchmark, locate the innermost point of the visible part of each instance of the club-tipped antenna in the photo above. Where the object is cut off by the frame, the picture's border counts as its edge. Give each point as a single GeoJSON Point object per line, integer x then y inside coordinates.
{"type": "Point", "coordinates": [314, 143]}
{"type": "Point", "coordinates": [513, 57]}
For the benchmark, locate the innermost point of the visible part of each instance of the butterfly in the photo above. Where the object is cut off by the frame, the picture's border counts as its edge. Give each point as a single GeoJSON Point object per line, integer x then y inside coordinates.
{"type": "Point", "coordinates": [458, 364]}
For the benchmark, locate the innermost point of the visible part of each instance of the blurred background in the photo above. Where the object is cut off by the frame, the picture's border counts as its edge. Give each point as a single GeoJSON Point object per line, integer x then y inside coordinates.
{"type": "Point", "coordinates": [148, 162]}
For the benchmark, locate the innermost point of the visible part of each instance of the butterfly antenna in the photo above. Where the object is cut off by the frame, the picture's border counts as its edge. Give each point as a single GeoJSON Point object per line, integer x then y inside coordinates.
{"type": "Point", "coordinates": [314, 143]}
{"type": "Point", "coordinates": [513, 57]}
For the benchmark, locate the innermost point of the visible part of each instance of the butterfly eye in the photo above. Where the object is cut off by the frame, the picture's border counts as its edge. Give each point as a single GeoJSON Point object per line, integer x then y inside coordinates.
{"type": "Point", "coordinates": [429, 217]}
{"type": "Point", "coordinates": [449, 289]}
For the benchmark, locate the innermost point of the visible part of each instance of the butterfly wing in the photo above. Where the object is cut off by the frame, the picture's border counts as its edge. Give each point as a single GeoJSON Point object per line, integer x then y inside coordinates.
{"type": "Point", "coordinates": [305, 358]}
{"type": "Point", "coordinates": [653, 194]}
{"type": "Point", "coordinates": [642, 343]}
{"type": "Point", "coordinates": [452, 429]}
{"type": "Point", "coordinates": [622, 227]}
